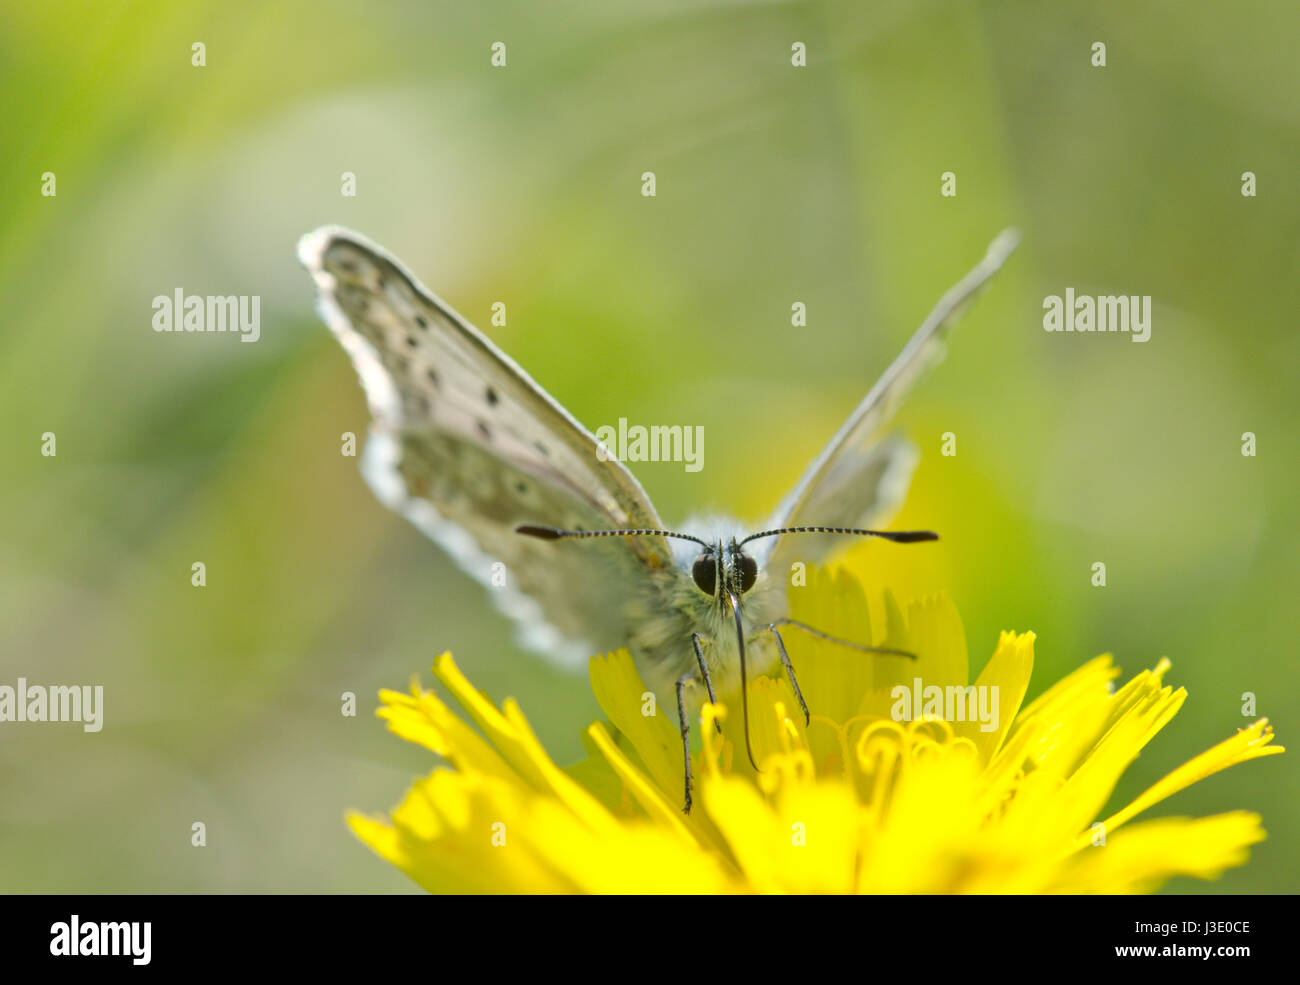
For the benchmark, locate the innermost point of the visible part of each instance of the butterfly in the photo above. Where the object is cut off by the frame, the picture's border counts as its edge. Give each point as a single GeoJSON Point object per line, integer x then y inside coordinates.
{"type": "Point", "coordinates": [484, 461]}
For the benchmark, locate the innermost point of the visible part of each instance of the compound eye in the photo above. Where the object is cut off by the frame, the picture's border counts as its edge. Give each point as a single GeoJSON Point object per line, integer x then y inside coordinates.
{"type": "Point", "coordinates": [705, 573]}
{"type": "Point", "coordinates": [747, 568]}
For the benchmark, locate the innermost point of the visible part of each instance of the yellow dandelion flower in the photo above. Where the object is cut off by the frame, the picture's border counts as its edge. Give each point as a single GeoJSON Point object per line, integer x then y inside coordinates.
{"type": "Point", "coordinates": [907, 779]}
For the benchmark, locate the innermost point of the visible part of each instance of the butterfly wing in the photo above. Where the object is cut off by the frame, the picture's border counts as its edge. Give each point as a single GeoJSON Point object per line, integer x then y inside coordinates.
{"type": "Point", "coordinates": [858, 477]}
{"type": "Point", "coordinates": [468, 447]}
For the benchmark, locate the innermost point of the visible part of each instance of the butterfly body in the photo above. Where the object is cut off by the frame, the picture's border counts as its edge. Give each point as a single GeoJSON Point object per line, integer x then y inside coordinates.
{"type": "Point", "coordinates": [482, 459]}
{"type": "Point", "coordinates": [661, 642]}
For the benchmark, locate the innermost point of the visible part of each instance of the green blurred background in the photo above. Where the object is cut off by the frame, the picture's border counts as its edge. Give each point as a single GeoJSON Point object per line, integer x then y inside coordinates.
{"type": "Point", "coordinates": [522, 184]}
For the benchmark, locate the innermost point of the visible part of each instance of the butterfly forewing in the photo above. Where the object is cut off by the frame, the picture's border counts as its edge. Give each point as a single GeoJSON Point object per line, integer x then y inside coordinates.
{"type": "Point", "coordinates": [468, 447]}
{"type": "Point", "coordinates": [859, 478]}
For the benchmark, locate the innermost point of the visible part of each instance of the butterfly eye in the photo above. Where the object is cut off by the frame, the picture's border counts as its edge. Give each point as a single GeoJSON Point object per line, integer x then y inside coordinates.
{"type": "Point", "coordinates": [748, 570]}
{"type": "Point", "coordinates": [705, 573]}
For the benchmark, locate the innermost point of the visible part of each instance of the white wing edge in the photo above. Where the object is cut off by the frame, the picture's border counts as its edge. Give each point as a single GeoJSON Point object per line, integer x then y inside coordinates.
{"type": "Point", "coordinates": [379, 469]}
{"type": "Point", "coordinates": [380, 455]}
{"type": "Point", "coordinates": [382, 396]}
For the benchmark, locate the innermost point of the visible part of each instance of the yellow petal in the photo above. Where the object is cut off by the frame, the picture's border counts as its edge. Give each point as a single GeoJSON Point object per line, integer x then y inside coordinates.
{"type": "Point", "coordinates": [1006, 675]}
{"type": "Point", "coordinates": [1141, 858]}
{"type": "Point", "coordinates": [1248, 743]}
{"type": "Point", "coordinates": [638, 784]}
{"type": "Point", "coordinates": [624, 698]}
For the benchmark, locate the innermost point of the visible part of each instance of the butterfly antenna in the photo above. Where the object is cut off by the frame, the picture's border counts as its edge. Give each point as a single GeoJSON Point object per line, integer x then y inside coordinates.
{"type": "Point", "coordinates": [897, 536]}
{"type": "Point", "coordinates": [555, 533]}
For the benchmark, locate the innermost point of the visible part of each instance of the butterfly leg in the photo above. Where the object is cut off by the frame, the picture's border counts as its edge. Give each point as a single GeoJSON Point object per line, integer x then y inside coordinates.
{"type": "Point", "coordinates": [704, 672]}
{"type": "Point", "coordinates": [862, 647]}
{"type": "Point", "coordinates": [789, 668]}
{"type": "Point", "coordinates": [682, 683]}
{"type": "Point", "coordinates": [774, 629]}
{"type": "Point", "coordinates": [686, 680]}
